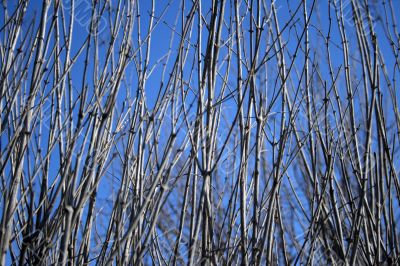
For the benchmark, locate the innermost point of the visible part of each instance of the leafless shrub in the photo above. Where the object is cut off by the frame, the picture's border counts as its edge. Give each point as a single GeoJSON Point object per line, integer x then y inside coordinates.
{"type": "Point", "coordinates": [199, 132]}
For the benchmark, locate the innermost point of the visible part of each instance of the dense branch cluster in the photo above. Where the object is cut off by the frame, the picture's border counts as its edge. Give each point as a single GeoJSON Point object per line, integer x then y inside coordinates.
{"type": "Point", "coordinates": [227, 132]}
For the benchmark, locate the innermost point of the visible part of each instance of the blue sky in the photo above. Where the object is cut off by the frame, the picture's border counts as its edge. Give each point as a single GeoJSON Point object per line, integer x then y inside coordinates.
{"type": "Point", "coordinates": [163, 39]}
